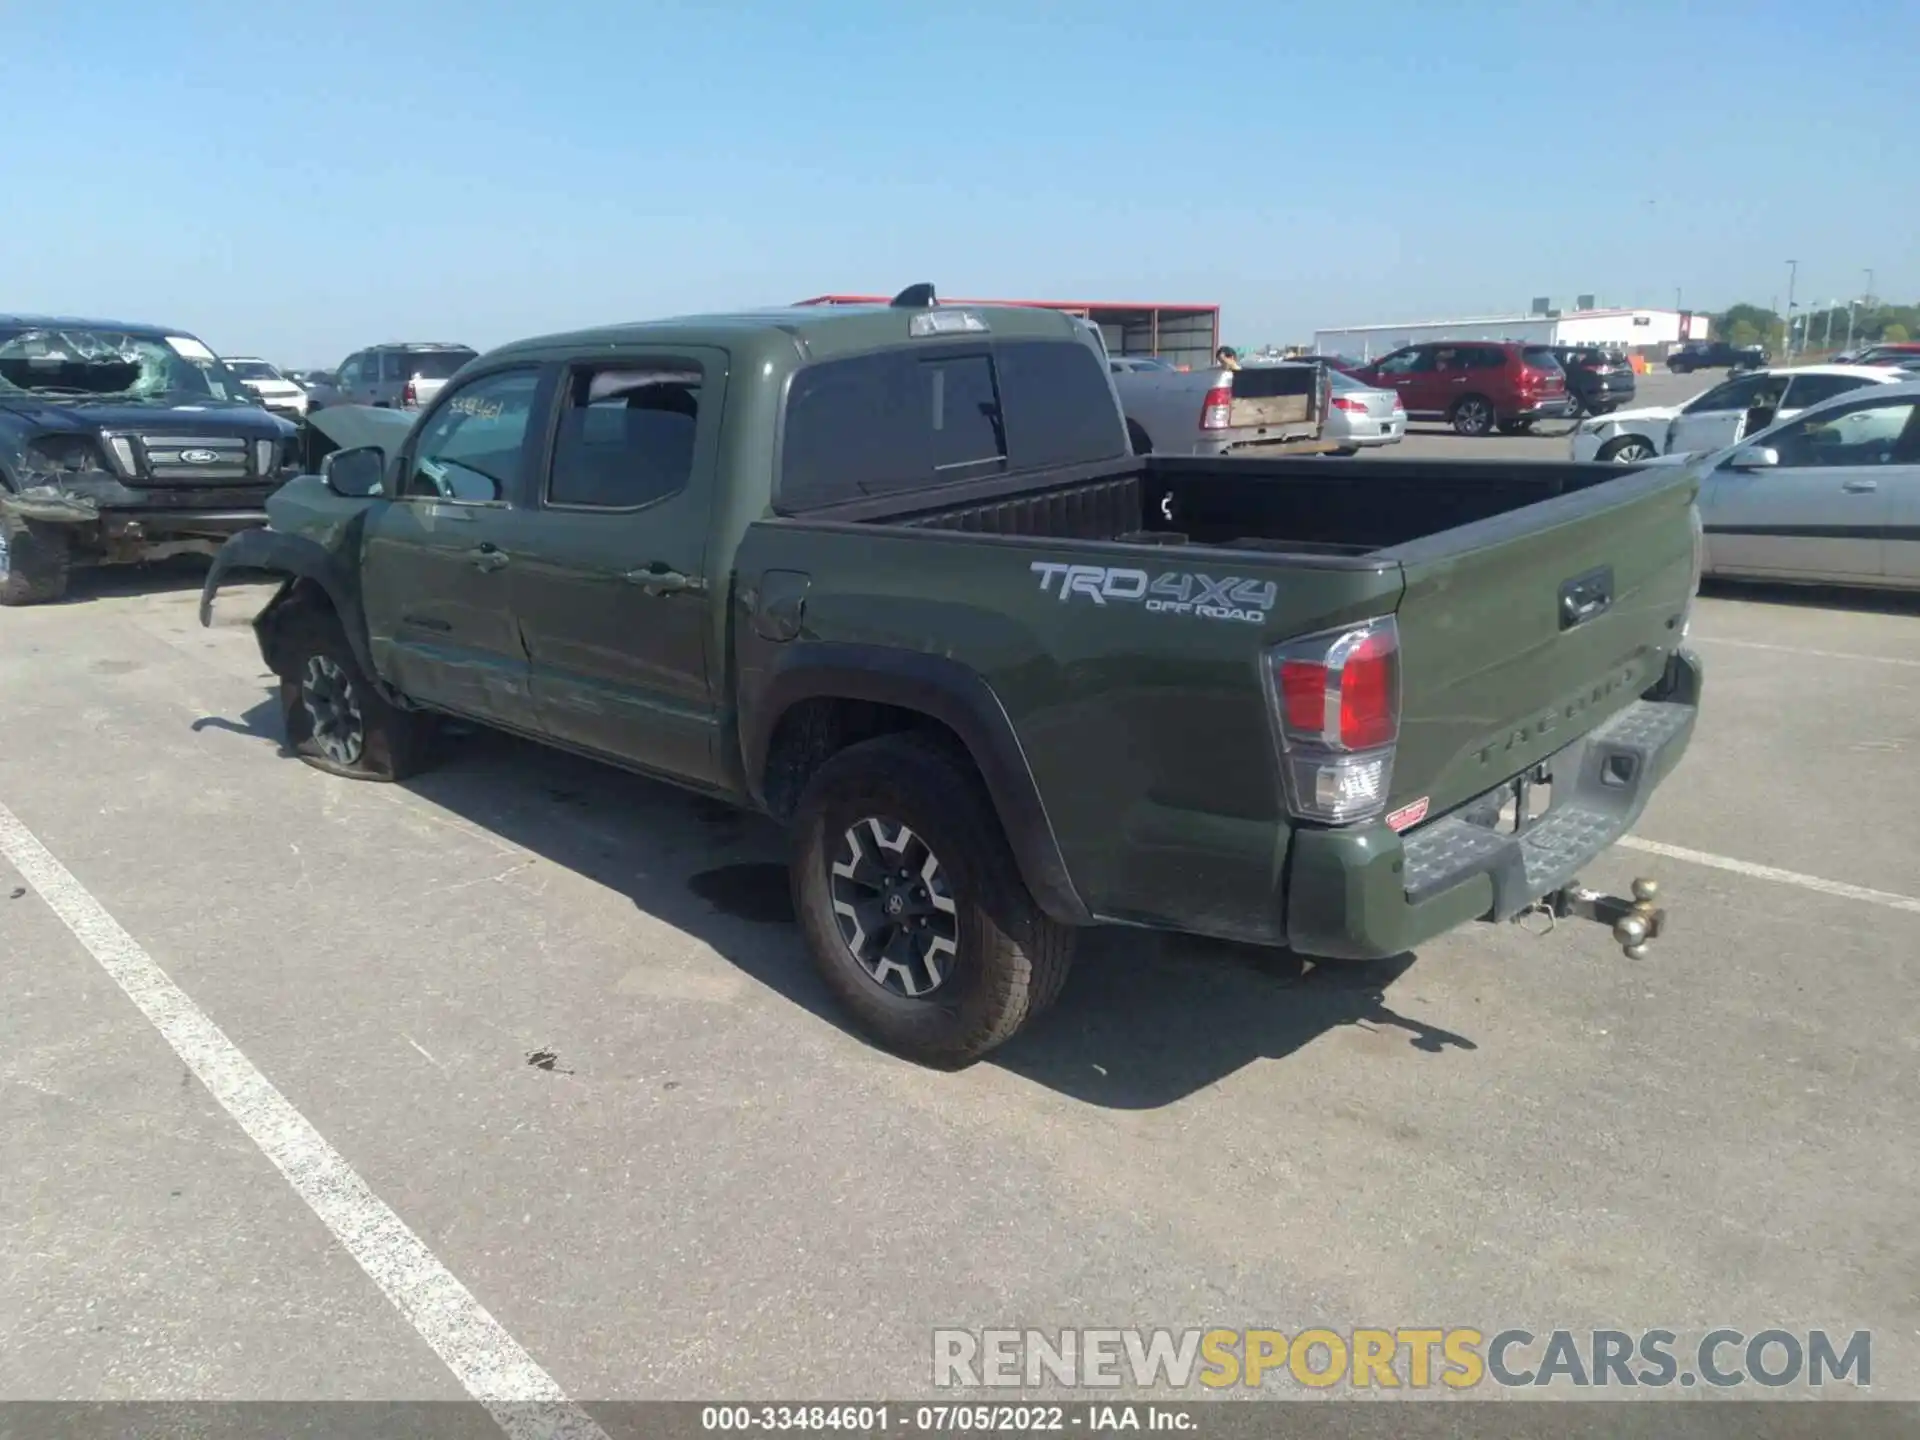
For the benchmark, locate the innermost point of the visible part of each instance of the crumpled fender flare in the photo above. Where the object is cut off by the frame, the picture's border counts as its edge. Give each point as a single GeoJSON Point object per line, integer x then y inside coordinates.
{"type": "Point", "coordinates": [297, 559]}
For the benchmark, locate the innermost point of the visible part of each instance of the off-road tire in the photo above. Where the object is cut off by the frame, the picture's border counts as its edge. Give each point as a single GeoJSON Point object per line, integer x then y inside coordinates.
{"type": "Point", "coordinates": [39, 558]}
{"type": "Point", "coordinates": [393, 743]}
{"type": "Point", "coordinates": [1010, 961]}
{"type": "Point", "coordinates": [1472, 416]}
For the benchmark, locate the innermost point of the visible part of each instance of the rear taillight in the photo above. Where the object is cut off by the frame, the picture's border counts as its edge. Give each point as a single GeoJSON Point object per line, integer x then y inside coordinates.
{"type": "Point", "coordinates": [1347, 402]}
{"type": "Point", "coordinates": [410, 397]}
{"type": "Point", "coordinates": [1216, 411]}
{"type": "Point", "coordinates": [1336, 701]}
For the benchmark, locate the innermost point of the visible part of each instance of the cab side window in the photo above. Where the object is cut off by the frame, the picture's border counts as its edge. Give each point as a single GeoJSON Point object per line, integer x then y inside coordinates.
{"type": "Point", "coordinates": [471, 451]}
{"type": "Point", "coordinates": [1405, 362]}
{"type": "Point", "coordinates": [626, 435]}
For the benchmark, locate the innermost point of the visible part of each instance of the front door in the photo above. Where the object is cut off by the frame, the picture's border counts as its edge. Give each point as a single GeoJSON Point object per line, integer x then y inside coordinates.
{"type": "Point", "coordinates": [1824, 511]}
{"type": "Point", "coordinates": [1409, 373]}
{"type": "Point", "coordinates": [1716, 419]}
{"type": "Point", "coordinates": [621, 613]}
{"type": "Point", "coordinates": [437, 572]}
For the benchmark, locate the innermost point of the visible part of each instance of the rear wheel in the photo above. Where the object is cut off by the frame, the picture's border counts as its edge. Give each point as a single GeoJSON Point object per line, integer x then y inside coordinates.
{"type": "Point", "coordinates": [335, 720]}
{"type": "Point", "coordinates": [912, 906]}
{"type": "Point", "coordinates": [1472, 415]}
{"type": "Point", "coordinates": [35, 559]}
{"type": "Point", "coordinates": [1678, 367]}
{"type": "Point", "coordinates": [1627, 450]}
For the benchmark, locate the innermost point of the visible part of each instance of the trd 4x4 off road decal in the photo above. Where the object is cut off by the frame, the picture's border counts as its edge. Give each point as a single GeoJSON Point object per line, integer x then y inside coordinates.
{"type": "Point", "coordinates": [1173, 592]}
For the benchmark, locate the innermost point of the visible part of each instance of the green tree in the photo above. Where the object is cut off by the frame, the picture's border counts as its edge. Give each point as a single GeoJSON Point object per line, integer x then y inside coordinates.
{"type": "Point", "coordinates": [1895, 334]}
{"type": "Point", "coordinates": [1742, 332]}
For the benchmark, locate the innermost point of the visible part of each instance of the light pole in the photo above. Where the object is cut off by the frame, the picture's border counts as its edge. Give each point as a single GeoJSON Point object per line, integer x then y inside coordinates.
{"type": "Point", "coordinates": [1867, 299]}
{"type": "Point", "coordinates": [1793, 274]}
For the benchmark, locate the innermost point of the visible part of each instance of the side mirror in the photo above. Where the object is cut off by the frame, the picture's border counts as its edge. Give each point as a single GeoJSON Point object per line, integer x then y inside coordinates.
{"type": "Point", "coordinates": [357, 474]}
{"type": "Point", "coordinates": [1754, 457]}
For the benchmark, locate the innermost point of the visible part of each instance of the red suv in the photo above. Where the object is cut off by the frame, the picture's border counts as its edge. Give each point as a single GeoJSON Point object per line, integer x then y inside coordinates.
{"type": "Point", "coordinates": [1476, 386]}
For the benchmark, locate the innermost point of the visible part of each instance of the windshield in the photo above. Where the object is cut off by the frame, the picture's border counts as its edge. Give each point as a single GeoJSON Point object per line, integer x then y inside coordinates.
{"type": "Point", "coordinates": [253, 370]}
{"type": "Point", "coordinates": [86, 363]}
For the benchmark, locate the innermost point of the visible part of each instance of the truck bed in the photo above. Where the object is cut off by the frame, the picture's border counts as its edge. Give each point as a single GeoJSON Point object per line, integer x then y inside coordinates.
{"type": "Point", "coordinates": [1306, 507]}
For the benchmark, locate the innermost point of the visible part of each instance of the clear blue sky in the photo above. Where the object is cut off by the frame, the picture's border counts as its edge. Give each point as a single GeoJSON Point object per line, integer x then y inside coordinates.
{"type": "Point", "coordinates": [296, 180]}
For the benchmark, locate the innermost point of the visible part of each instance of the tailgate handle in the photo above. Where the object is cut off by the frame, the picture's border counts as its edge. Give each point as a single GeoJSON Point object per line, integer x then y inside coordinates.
{"type": "Point", "coordinates": [1585, 596]}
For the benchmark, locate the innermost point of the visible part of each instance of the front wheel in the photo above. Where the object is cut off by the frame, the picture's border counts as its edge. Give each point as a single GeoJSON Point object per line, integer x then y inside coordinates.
{"type": "Point", "coordinates": [335, 720]}
{"type": "Point", "coordinates": [912, 906]}
{"type": "Point", "coordinates": [35, 559]}
{"type": "Point", "coordinates": [1473, 415]}
{"type": "Point", "coordinates": [1627, 450]}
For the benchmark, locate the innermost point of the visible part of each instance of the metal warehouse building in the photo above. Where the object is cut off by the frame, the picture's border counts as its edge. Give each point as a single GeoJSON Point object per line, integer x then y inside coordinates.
{"type": "Point", "coordinates": [1184, 334]}
{"type": "Point", "coordinates": [1652, 332]}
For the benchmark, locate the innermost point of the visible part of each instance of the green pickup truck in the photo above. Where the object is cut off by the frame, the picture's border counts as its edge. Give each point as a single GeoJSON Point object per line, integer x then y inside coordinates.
{"type": "Point", "coordinates": [892, 575]}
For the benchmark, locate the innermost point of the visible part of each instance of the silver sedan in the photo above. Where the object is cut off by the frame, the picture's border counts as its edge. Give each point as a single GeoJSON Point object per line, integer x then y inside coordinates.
{"type": "Point", "coordinates": [1362, 417]}
{"type": "Point", "coordinates": [1830, 496]}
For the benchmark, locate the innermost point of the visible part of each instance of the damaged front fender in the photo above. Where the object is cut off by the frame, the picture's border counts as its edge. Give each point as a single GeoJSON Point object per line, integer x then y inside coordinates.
{"type": "Point", "coordinates": [52, 504]}
{"type": "Point", "coordinates": [312, 577]}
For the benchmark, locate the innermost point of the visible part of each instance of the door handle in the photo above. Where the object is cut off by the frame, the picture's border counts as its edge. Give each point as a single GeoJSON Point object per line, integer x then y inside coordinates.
{"type": "Point", "coordinates": [489, 558]}
{"type": "Point", "coordinates": [659, 579]}
{"type": "Point", "coordinates": [1859, 487]}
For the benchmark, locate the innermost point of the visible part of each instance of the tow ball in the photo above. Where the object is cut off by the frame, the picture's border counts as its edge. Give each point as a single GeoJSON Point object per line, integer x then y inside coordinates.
{"type": "Point", "coordinates": [1636, 923]}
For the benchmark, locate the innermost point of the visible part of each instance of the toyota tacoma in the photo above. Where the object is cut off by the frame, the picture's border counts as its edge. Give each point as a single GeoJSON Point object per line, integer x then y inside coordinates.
{"type": "Point", "coordinates": [892, 575]}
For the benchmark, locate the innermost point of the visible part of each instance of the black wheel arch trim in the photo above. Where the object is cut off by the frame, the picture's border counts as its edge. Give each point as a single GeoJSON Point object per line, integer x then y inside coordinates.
{"type": "Point", "coordinates": [295, 558]}
{"type": "Point", "coordinates": [946, 691]}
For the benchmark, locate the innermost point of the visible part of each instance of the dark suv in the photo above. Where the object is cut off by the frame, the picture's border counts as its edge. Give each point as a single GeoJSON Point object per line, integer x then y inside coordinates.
{"type": "Point", "coordinates": [1598, 379]}
{"type": "Point", "coordinates": [1476, 386]}
{"type": "Point", "coordinates": [1715, 355]}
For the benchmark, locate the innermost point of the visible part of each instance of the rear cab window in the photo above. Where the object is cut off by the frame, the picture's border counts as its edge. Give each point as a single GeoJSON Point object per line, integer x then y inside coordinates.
{"type": "Point", "coordinates": [905, 419]}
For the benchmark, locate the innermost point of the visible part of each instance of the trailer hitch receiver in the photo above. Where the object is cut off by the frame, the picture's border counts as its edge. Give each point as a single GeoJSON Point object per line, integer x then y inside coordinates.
{"type": "Point", "coordinates": [1635, 923]}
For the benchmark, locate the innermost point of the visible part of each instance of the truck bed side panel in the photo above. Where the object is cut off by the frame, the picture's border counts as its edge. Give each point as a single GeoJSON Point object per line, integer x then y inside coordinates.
{"type": "Point", "coordinates": [1147, 728]}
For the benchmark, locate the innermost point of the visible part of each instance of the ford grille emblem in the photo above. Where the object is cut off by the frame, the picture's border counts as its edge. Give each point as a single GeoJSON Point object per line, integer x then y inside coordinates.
{"type": "Point", "coordinates": [199, 457]}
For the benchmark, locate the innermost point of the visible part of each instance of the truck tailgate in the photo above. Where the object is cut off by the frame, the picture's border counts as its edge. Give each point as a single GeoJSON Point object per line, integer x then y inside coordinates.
{"type": "Point", "coordinates": [1522, 632]}
{"type": "Point", "coordinates": [1274, 396]}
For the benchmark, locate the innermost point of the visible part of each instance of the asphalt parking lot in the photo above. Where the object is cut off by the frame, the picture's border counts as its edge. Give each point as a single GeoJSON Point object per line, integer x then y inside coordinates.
{"type": "Point", "coordinates": [556, 1018]}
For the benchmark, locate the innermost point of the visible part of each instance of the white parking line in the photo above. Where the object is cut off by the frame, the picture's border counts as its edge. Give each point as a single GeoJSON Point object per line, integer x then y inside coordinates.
{"type": "Point", "coordinates": [1817, 654]}
{"type": "Point", "coordinates": [1768, 872]}
{"type": "Point", "coordinates": [526, 1401]}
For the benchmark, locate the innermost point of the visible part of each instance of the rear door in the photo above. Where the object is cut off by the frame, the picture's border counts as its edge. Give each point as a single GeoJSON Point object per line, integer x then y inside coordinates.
{"type": "Point", "coordinates": [1521, 632]}
{"type": "Point", "coordinates": [1824, 512]}
{"type": "Point", "coordinates": [616, 599]}
{"type": "Point", "coordinates": [436, 571]}
{"type": "Point", "coordinates": [1901, 481]}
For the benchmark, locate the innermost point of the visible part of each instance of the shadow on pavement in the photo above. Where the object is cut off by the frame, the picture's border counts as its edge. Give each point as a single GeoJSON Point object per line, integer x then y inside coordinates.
{"type": "Point", "coordinates": [1145, 1020]}
{"type": "Point", "coordinates": [160, 577]}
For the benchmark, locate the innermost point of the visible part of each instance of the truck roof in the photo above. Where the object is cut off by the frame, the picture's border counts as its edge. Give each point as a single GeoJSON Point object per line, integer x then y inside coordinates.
{"type": "Point", "coordinates": [819, 330]}
{"type": "Point", "coordinates": [77, 322]}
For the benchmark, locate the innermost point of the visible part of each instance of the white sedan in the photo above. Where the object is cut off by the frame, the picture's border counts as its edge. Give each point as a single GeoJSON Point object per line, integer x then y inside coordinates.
{"type": "Point", "coordinates": [1831, 496]}
{"type": "Point", "coordinates": [272, 389]}
{"type": "Point", "coordinates": [1739, 406]}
